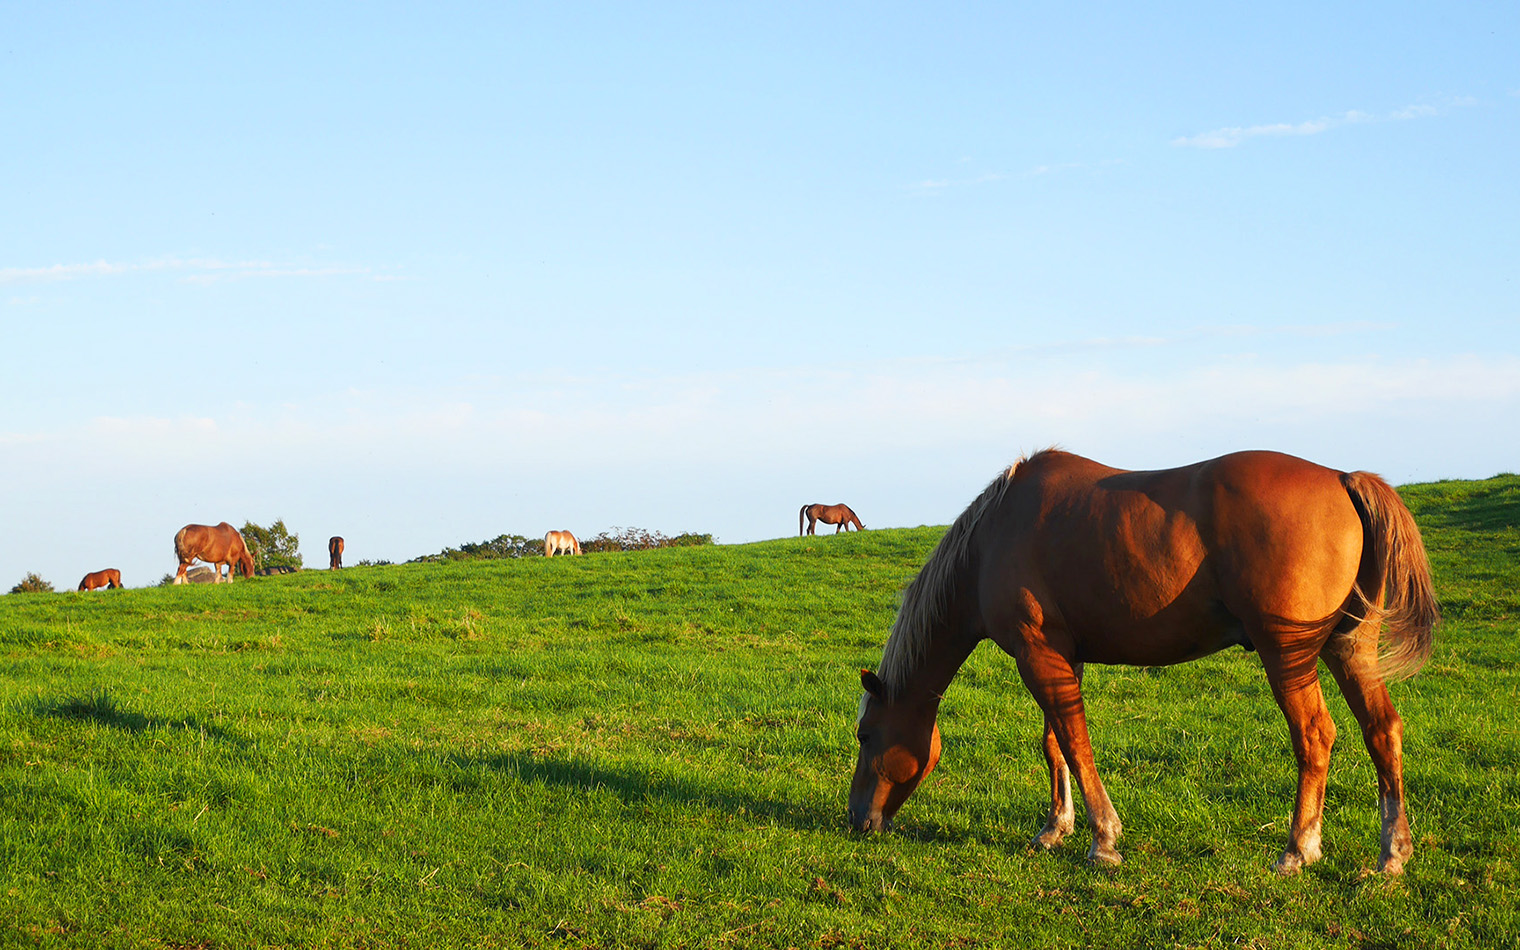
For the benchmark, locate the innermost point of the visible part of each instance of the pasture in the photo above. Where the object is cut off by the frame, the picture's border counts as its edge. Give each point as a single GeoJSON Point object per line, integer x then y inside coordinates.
{"type": "Point", "coordinates": [653, 749]}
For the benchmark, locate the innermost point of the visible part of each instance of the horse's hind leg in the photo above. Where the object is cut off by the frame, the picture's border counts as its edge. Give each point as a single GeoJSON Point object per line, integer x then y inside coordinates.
{"type": "Point", "coordinates": [1295, 684]}
{"type": "Point", "coordinates": [1353, 663]}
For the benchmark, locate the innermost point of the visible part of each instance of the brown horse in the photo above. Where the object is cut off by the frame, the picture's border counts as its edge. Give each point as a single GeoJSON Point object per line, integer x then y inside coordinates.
{"type": "Point", "coordinates": [110, 577]}
{"type": "Point", "coordinates": [840, 515]}
{"type": "Point", "coordinates": [216, 546]}
{"type": "Point", "coordinates": [334, 553]}
{"type": "Point", "coordinates": [1063, 562]}
{"type": "Point", "coordinates": [556, 542]}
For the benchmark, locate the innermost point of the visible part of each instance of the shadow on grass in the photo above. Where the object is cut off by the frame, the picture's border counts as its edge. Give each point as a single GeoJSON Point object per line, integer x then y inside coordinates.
{"type": "Point", "coordinates": [633, 785]}
{"type": "Point", "coordinates": [100, 708]}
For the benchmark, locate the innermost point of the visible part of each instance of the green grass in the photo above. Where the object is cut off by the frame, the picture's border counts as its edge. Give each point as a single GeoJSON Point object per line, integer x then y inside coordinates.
{"type": "Point", "coordinates": [653, 750]}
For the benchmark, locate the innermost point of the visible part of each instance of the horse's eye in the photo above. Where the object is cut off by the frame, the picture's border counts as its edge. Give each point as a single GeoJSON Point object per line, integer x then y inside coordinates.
{"type": "Point", "coordinates": [861, 737]}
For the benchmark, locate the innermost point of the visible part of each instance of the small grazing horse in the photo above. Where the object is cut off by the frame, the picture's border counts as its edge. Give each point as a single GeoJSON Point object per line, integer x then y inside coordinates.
{"type": "Point", "coordinates": [557, 542]}
{"type": "Point", "coordinates": [840, 515]}
{"type": "Point", "coordinates": [110, 577]}
{"type": "Point", "coordinates": [1063, 562]}
{"type": "Point", "coordinates": [216, 546]}
{"type": "Point", "coordinates": [335, 553]}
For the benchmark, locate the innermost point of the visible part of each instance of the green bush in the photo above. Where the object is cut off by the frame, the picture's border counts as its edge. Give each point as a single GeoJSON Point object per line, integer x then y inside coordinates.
{"type": "Point", "coordinates": [501, 546]}
{"type": "Point", "coordinates": [273, 546]}
{"type": "Point", "coordinates": [640, 539]}
{"type": "Point", "coordinates": [32, 584]}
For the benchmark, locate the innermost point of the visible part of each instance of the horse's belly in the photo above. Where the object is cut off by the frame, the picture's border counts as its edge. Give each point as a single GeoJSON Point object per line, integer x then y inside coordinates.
{"type": "Point", "coordinates": [1162, 641]}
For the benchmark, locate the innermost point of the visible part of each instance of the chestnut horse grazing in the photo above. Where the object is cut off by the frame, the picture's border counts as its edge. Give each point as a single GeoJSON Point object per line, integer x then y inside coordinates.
{"type": "Point", "coordinates": [1063, 562]}
{"type": "Point", "coordinates": [216, 546]}
{"type": "Point", "coordinates": [335, 553]}
{"type": "Point", "coordinates": [557, 542]}
{"type": "Point", "coordinates": [110, 577]}
{"type": "Point", "coordinates": [828, 514]}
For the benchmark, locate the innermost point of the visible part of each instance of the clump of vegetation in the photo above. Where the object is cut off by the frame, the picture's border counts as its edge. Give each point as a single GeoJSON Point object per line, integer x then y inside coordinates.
{"type": "Point", "coordinates": [515, 545]}
{"type": "Point", "coordinates": [501, 546]}
{"type": "Point", "coordinates": [377, 562]}
{"type": "Point", "coordinates": [640, 539]}
{"type": "Point", "coordinates": [32, 584]}
{"type": "Point", "coordinates": [273, 546]}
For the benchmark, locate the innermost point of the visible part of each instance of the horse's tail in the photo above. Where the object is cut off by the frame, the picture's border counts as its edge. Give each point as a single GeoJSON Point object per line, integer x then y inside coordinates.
{"type": "Point", "coordinates": [1394, 580]}
{"type": "Point", "coordinates": [179, 544]}
{"type": "Point", "coordinates": [801, 516]}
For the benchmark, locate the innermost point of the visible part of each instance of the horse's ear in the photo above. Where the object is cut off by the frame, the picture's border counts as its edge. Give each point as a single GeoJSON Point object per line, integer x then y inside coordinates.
{"type": "Point", "coordinates": [872, 684]}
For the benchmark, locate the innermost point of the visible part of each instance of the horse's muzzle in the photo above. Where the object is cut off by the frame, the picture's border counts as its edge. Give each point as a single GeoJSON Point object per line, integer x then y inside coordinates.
{"type": "Point", "coordinates": [870, 821]}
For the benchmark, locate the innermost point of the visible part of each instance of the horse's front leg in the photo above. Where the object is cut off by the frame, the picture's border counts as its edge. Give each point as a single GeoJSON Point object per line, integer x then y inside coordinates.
{"type": "Point", "coordinates": [1062, 818]}
{"type": "Point", "coordinates": [1054, 680]}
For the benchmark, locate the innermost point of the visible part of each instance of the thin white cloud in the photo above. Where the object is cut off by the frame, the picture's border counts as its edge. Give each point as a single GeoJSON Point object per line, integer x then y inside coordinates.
{"type": "Point", "coordinates": [1233, 135]}
{"type": "Point", "coordinates": [938, 185]}
{"type": "Point", "coordinates": [194, 270]}
{"type": "Point", "coordinates": [932, 186]}
{"type": "Point", "coordinates": [16, 275]}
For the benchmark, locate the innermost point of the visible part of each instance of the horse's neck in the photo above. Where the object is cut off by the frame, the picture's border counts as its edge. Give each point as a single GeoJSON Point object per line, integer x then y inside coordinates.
{"type": "Point", "coordinates": [937, 661]}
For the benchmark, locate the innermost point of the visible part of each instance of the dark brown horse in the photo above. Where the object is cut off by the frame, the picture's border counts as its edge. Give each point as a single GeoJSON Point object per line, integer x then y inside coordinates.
{"type": "Point", "coordinates": [110, 577]}
{"type": "Point", "coordinates": [335, 553]}
{"type": "Point", "coordinates": [840, 515]}
{"type": "Point", "coordinates": [1063, 562]}
{"type": "Point", "coordinates": [216, 546]}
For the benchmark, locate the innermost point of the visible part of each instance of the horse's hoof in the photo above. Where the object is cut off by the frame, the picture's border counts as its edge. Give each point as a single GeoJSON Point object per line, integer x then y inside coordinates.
{"type": "Point", "coordinates": [1045, 841]}
{"type": "Point", "coordinates": [1288, 864]}
{"type": "Point", "coordinates": [1391, 866]}
{"type": "Point", "coordinates": [1105, 855]}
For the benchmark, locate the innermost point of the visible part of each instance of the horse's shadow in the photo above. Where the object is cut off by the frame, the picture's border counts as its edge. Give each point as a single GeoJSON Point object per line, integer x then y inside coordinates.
{"type": "Point", "coordinates": [632, 785]}
{"type": "Point", "coordinates": [99, 707]}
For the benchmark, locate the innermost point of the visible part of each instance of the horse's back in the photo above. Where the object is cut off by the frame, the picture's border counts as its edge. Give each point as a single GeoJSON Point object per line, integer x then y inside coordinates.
{"type": "Point", "coordinates": [1160, 566]}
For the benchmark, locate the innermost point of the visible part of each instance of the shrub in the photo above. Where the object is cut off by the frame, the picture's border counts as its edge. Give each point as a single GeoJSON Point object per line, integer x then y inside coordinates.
{"type": "Point", "coordinates": [32, 584]}
{"type": "Point", "coordinates": [273, 546]}
{"type": "Point", "coordinates": [378, 562]}
{"type": "Point", "coordinates": [640, 539]}
{"type": "Point", "coordinates": [501, 546]}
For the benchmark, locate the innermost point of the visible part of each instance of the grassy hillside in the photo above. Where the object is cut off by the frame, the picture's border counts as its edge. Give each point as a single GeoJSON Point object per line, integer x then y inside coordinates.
{"type": "Point", "coordinates": [653, 749]}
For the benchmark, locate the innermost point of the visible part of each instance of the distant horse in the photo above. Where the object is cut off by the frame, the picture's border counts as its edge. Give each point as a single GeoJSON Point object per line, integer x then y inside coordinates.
{"type": "Point", "coordinates": [1062, 562]}
{"type": "Point", "coordinates": [840, 515]}
{"type": "Point", "coordinates": [216, 546]}
{"type": "Point", "coordinates": [110, 577]}
{"type": "Point", "coordinates": [334, 553]}
{"type": "Point", "coordinates": [556, 542]}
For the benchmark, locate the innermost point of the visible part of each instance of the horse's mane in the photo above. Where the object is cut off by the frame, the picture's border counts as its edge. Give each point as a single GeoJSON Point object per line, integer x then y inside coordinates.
{"type": "Point", "coordinates": [927, 597]}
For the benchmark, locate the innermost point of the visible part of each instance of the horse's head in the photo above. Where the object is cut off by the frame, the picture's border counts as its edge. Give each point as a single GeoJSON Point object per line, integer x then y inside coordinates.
{"type": "Point", "coordinates": [899, 747]}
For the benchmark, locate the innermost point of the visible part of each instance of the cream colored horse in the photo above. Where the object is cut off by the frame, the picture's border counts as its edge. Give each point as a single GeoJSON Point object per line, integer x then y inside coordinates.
{"type": "Point", "coordinates": [560, 542]}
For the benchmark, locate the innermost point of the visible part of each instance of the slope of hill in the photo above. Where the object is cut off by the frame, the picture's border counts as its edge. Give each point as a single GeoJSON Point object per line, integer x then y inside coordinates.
{"type": "Point", "coordinates": [653, 749]}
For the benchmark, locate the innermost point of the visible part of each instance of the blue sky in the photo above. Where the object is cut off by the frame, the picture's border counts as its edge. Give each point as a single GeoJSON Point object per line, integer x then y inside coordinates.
{"type": "Point", "coordinates": [420, 275]}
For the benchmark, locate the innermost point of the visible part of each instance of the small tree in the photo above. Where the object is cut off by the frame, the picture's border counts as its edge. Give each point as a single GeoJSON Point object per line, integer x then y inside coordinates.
{"type": "Point", "coordinates": [32, 584]}
{"type": "Point", "coordinates": [273, 546]}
